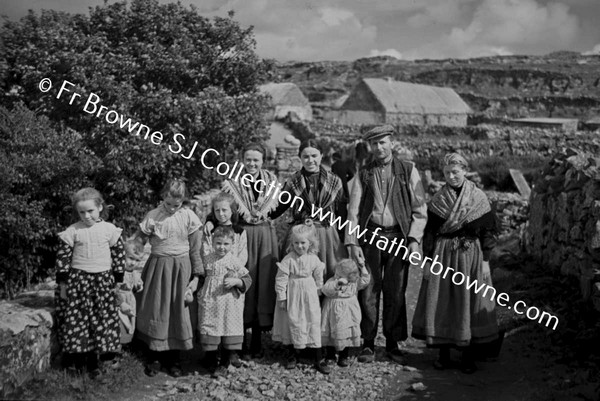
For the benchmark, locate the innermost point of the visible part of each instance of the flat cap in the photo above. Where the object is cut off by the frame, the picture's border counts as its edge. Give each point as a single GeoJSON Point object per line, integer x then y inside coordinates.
{"type": "Point", "coordinates": [378, 132]}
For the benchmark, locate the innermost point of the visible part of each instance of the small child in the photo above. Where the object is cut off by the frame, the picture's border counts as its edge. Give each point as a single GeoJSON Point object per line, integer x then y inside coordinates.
{"type": "Point", "coordinates": [132, 283]}
{"type": "Point", "coordinates": [340, 322]}
{"type": "Point", "coordinates": [225, 212]}
{"type": "Point", "coordinates": [163, 319]}
{"type": "Point", "coordinates": [221, 303]}
{"type": "Point", "coordinates": [297, 321]}
{"type": "Point", "coordinates": [89, 260]}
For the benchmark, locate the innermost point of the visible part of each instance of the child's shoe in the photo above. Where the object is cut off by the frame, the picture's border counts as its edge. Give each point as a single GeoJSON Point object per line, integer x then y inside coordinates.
{"type": "Point", "coordinates": [152, 369]}
{"type": "Point", "coordinates": [322, 367]}
{"type": "Point", "coordinates": [343, 362]}
{"type": "Point", "coordinates": [291, 362]}
{"type": "Point", "coordinates": [220, 371]}
{"type": "Point", "coordinates": [234, 359]}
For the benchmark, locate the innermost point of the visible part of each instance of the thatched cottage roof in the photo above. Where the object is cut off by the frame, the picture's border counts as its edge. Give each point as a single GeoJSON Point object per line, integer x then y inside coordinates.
{"type": "Point", "coordinates": [285, 94]}
{"type": "Point", "coordinates": [409, 98]}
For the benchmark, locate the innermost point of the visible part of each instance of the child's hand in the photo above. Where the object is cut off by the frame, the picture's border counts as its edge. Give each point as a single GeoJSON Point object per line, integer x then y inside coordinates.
{"type": "Point", "coordinates": [208, 226]}
{"type": "Point", "coordinates": [193, 285]}
{"type": "Point", "coordinates": [63, 291]}
{"type": "Point", "coordinates": [282, 304]}
{"type": "Point", "coordinates": [231, 282]}
{"type": "Point", "coordinates": [188, 296]}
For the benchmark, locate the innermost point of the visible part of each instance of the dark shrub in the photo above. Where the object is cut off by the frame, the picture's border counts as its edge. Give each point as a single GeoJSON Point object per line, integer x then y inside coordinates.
{"type": "Point", "coordinates": [39, 169]}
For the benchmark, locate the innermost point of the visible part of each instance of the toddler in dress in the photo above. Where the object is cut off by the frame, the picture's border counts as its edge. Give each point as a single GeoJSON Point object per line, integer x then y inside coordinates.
{"type": "Point", "coordinates": [297, 320]}
{"type": "Point", "coordinates": [221, 303]}
{"type": "Point", "coordinates": [132, 283]}
{"type": "Point", "coordinates": [340, 320]}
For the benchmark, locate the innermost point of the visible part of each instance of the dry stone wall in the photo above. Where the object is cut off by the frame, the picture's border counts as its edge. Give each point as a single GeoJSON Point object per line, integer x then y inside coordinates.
{"type": "Point", "coordinates": [472, 141]}
{"type": "Point", "coordinates": [27, 339]}
{"type": "Point", "coordinates": [563, 231]}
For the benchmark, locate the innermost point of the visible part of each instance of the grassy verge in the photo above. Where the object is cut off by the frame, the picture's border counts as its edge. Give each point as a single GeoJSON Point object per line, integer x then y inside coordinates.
{"type": "Point", "coordinates": [57, 384]}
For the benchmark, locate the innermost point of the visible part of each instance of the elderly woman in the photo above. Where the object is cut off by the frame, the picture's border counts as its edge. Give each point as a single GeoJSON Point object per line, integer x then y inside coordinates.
{"type": "Point", "coordinates": [462, 224]}
{"type": "Point", "coordinates": [318, 188]}
{"type": "Point", "coordinates": [255, 202]}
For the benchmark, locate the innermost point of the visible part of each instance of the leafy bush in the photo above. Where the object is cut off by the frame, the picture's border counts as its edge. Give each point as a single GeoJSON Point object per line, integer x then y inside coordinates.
{"type": "Point", "coordinates": [39, 169]}
{"type": "Point", "coordinates": [164, 66]}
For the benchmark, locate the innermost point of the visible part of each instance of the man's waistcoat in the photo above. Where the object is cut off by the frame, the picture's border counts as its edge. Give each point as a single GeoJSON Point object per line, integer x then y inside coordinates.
{"type": "Point", "coordinates": [401, 204]}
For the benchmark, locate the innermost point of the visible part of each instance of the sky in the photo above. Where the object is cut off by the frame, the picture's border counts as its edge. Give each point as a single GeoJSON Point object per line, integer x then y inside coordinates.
{"type": "Point", "coordinates": [316, 30]}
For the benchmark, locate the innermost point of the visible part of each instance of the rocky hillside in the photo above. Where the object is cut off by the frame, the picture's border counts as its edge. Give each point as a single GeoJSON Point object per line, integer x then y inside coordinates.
{"type": "Point", "coordinates": [561, 84]}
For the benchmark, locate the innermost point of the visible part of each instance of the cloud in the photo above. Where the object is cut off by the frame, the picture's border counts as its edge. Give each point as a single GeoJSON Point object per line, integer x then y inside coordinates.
{"type": "Point", "coordinates": [302, 30]}
{"type": "Point", "coordinates": [335, 16]}
{"type": "Point", "coordinates": [593, 52]}
{"type": "Point", "coordinates": [506, 27]}
{"type": "Point", "coordinates": [389, 52]}
{"type": "Point", "coordinates": [447, 12]}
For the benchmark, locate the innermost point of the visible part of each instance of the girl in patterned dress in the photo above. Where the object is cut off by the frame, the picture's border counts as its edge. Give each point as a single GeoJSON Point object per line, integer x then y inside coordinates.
{"type": "Point", "coordinates": [340, 322]}
{"type": "Point", "coordinates": [163, 319]}
{"type": "Point", "coordinates": [297, 321]}
{"type": "Point", "coordinates": [89, 261]}
{"type": "Point", "coordinates": [221, 302]}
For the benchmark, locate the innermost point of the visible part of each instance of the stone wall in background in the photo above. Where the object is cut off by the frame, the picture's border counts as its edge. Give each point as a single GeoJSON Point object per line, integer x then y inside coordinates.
{"type": "Point", "coordinates": [563, 232]}
{"type": "Point", "coordinates": [472, 141]}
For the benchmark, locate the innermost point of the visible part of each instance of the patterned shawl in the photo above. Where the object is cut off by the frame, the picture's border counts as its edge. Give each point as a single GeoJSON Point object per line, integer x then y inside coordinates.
{"type": "Point", "coordinates": [460, 209]}
{"type": "Point", "coordinates": [329, 183]}
{"type": "Point", "coordinates": [254, 212]}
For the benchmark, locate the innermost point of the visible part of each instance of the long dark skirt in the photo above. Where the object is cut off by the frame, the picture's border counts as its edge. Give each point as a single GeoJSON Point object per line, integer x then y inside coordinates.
{"type": "Point", "coordinates": [163, 319]}
{"type": "Point", "coordinates": [263, 255]}
{"type": "Point", "coordinates": [88, 319]}
{"type": "Point", "coordinates": [450, 314]}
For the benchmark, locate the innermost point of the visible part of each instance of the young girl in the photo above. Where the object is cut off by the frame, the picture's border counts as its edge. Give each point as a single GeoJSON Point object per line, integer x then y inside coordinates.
{"type": "Point", "coordinates": [225, 212]}
{"type": "Point", "coordinates": [90, 259]}
{"type": "Point", "coordinates": [340, 322]}
{"type": "Point", "coordinates": [221, 302]}
{"type": "Point", "coordinates": [163, 320]}
{"type": "Point", "coordinates": [297, 320]}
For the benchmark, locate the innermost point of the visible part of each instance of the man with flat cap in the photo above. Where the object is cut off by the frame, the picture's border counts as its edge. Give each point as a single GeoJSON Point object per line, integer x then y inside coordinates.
{"type": "Point", "coordinates": [387, 199]}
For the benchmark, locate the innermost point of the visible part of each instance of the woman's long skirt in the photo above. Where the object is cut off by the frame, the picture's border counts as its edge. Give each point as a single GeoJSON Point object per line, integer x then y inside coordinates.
{"type": "Point", "coordinates": [263, 254]}
{"type": "Point", "coordinates": [451, 314]}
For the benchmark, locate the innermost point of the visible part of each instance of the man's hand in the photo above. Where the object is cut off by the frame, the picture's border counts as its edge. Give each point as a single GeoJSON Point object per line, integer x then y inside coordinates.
{"type": "Point", "coordinates": [413, 246]}
{"type": "Point", "coordinates": [355, 252]}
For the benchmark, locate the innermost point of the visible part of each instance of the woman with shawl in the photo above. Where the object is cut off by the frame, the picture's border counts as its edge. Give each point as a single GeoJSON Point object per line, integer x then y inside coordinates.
{"type": "Point", "coordinates": [255, 201]}
{"type": "Point", "coordinates": [450, 315]}
{"type": "Point", "coordinates": [318, 188]}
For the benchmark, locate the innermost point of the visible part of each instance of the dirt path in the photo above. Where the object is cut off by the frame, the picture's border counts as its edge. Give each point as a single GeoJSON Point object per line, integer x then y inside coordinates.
{"type": "Point", "coordinates": [519, 374]}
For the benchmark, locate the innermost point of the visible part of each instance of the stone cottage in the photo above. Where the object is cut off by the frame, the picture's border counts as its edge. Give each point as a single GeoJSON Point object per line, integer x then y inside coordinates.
{"type": "Point", "coordinates": [286, 97]}
{"type": "Point", "coordinates": [377, 101]}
